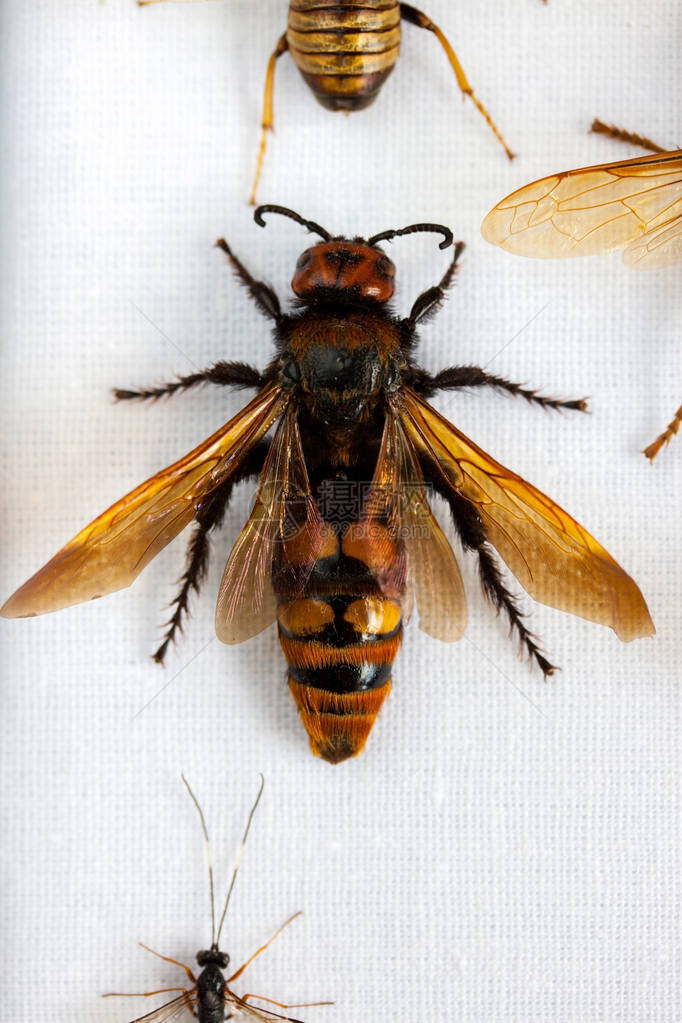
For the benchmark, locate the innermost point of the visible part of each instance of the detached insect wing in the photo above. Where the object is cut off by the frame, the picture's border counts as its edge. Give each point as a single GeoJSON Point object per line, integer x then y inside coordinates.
{"type": "Point", "coordinates": [209, 998]}
{"type": "Point", "coordinates": [633, 205]}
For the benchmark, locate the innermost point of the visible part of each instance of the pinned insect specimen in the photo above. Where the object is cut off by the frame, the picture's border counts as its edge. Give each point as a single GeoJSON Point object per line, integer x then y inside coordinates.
{"type": "Point", "coordinates": [633, 205]}
{"type": "Point", "coordinates": [210, 999]}
{"type": "Point", "coordinates": [345, 51]}
{"type": "Point", "coordinates": [341, 536]}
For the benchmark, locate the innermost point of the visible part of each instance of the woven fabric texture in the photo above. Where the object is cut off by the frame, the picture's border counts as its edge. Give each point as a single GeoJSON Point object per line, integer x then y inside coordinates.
{"type": "Point", "coordinates": [506, 848]}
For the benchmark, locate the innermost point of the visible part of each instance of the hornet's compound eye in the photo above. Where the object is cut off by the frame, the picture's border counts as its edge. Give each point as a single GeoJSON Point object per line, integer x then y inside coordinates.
{"type": "Point", "coordinates": [385, 267]}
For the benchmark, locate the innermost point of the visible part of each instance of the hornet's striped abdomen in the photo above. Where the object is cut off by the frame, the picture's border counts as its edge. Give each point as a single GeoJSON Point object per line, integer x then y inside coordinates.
{"type": "Point", "coordinates": [344, 50]}
{"type": "Point", "coordinates": [341, 636]}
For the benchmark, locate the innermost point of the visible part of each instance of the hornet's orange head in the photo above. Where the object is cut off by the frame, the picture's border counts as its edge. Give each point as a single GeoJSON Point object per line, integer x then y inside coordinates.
{"type": "Point", "coordinates": [345, 265]}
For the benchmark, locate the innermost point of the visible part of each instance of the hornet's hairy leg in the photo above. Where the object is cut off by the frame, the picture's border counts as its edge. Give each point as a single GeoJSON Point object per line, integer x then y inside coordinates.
{"type": "Point", "coordinates": [427, 304]}
{"type": "Point", "coordinates": [455, 377]}
{"type": "Point", "coordinates": [473, 537]}
{"type": "Point", "coordinates": [208, 516]}
{"type": "Point", "coordinates": [226, 374]}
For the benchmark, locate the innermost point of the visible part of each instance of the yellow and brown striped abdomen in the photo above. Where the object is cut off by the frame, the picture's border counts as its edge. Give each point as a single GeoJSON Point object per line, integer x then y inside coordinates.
{"type": "Point", "coordinates": [344, 50]}
{"type": "Point", "coordinates": [340, 639]}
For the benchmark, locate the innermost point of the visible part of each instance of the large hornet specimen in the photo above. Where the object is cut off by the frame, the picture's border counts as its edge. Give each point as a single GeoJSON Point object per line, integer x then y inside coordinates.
{"type": "Point", "coordinates": [341, 536]}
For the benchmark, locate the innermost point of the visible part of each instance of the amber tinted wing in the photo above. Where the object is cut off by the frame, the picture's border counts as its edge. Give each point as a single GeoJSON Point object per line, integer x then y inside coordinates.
{"type": "Point", "coordinates": [552, 556]}
{"type": "Point", "coordinates": [284, 533]}
{"type": "Point", "coordinates": [659, 247]}
{"type": "Point", "coordinates": [109, 553]}
{"type": "Point", "coordinates": [241, 1008]}
{"type": "Point", "coordinates": [397, 500]}
{"type": "Point", "coordinates": [178, 1009]}
{"type": "Point", "coordinates": [635, 203]}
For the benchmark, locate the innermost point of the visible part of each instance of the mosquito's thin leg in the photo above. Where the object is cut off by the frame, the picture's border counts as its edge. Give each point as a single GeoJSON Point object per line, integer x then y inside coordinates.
{"type": "Point", "coordinates": [416, 17]}
{"type": "Point", "coordinates": [176, 962]}
{"type": "Point", "coordinates": [262, 948]}
{"type": "Point", "coordinates": [599, 128]}
{"type": "Point", "coordinates": [143, 3]}
{"type": "Point", "coordinates": [226, 374]}
{"type": "Point", "coordinates": [455, 377]}
{"type": "Point", "coordinates": [267, 119]}
{"type": "Point", "coordinates": [282, 1005]}
{"type": "Point", "coordinates": [162, 990]}
{"type": "Point", "coordinates": [671, 429]}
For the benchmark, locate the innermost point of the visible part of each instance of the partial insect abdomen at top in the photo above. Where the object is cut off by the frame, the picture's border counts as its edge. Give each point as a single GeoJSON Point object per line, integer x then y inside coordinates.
{"type": "Point", "coordinates": [345, 50]}
{"type": "Point", "coordinates": [341, 633]}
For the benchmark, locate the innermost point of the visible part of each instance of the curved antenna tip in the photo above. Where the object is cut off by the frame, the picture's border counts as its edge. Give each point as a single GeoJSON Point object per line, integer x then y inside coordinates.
{"type": "Point", "coordinates": [283, 211]}
{"type": "Point", "coordinates": [448, 237]}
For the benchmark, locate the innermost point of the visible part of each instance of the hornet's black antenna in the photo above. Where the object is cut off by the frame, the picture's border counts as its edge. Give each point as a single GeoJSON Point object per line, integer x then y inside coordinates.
{"type": "Point", "coordinates": [386, 236]}
{"type": "Point", "coordinates": [309, 225]}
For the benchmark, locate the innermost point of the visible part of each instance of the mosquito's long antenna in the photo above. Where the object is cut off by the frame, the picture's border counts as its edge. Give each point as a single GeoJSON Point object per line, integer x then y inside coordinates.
{"type": "Point", "coordinates": [310, 225]}
{"type": "Point", "coordinates": [413, 229]}
{"type": "Point", "coordinates": [239, 858]}
{"type": "Point", "coordinates": [208, 856]}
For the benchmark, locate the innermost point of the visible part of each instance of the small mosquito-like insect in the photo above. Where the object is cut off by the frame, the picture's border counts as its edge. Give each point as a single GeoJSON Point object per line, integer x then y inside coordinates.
{"type": "Point", "coordinates": [345, 51]}
{"type": "Point", "coordinates": [633, 205]}
{"type": "Point", "coordinates": [342, 538]}
{"type": "Point", "coordinates": [209, 998]}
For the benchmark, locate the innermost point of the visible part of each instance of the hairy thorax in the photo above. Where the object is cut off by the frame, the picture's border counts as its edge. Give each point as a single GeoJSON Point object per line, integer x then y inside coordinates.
{"type": "Point", "coordinates": [342, 365]}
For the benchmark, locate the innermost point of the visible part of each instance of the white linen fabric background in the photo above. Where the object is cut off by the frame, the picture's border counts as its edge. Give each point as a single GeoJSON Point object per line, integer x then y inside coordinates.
{"type": "Point", "coordinates": [505, 848]}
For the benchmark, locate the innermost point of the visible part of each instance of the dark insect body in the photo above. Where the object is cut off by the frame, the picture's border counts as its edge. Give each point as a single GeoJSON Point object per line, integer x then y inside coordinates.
{"type": "Point", "coordinates": [633, 205]}
{"type": "Point", "coordinates": [345, 51]}
{"type": "Point", "coordinates": [341, 537]}
{"type": "Point", "coordinates": [210, 999]}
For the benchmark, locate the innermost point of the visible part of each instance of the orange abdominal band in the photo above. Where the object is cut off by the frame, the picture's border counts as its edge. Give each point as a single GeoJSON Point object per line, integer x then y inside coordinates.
{"type": "Point", "coordinates": [337, 724]}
